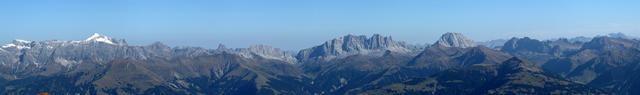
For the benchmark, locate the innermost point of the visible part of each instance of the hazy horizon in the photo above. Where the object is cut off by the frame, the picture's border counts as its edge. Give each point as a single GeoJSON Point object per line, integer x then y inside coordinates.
{"type": "Point", "coordinates": [298, 24]}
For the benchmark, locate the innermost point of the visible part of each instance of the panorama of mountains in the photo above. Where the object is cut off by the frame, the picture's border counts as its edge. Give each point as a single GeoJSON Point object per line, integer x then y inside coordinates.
{"type": "Point", "coordinates": [350, 65]}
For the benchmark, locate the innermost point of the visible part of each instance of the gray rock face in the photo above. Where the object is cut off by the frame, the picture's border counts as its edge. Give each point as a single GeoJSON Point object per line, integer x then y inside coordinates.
{"type": "Point", "coordinates": [352, 45]}
{"type": "Point", "coordinates": [454, 40]}
{"type": "Point", "coordinates": [526, 43]}
{"type": "Point", "coordinates": [493, 43]}
{"type": "Point", "coordinates": [263, 51]}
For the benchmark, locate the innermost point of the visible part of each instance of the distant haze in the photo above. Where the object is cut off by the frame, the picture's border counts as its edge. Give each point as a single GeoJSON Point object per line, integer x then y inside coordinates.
{"type": "Point", "coordinates": [298, 24]}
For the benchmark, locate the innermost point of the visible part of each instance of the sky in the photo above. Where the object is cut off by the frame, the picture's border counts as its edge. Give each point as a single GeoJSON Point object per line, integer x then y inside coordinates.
{"type": "Point", "coordinates": [299, 24]}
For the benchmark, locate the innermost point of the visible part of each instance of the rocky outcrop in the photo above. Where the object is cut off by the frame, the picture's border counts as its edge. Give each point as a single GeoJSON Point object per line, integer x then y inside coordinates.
{"type": "Point", "coordinates": [267, 52]}
{"type": "Point", "coordinates": [454, 40]}
{"type": "Point", "coordinates": [525, 44]}
{"type": "Point", "coordinates": [352, 45]}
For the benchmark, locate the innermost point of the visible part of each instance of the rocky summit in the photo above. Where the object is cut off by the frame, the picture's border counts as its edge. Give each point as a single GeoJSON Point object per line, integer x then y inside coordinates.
{"type": "Point", "coordinates": [352, 45]}
{"type": "Point", "coordinates": [454, 40]}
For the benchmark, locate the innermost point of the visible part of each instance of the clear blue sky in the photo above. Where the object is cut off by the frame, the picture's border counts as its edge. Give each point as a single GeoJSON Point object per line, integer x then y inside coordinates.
{"type": "Point", "coordinates": [297, 24]}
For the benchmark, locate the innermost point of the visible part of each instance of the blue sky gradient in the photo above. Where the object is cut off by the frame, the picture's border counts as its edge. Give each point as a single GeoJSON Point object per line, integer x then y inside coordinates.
{"type": "Point", "coordinates": [298, 24]}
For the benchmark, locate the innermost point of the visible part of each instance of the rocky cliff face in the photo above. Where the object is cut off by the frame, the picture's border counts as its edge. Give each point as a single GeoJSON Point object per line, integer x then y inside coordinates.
{"type": "Point", "coordinates": [352, 45]}
{"type": "Point", "coordinates": [454, 40]}
{"type": "Point", "coordinates": [525, 44]}
{"type": "Point", "coordinates": [263, 51]}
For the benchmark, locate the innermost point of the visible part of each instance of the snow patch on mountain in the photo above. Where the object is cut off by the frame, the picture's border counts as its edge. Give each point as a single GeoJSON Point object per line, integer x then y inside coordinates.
{"type": "Point", "coordinates": [23, 41]}
{"type": "Point", "coordinates": [65, 62]}
{"type": "Point", "coordinates": [19, 44]}
{"type": "Point", "coordinates": [100, 38]}
{"type": "Point", "coordinates": [9, 45]}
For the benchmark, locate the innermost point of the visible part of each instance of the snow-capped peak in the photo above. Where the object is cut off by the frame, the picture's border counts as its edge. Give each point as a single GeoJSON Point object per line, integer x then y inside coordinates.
{"type": "Point", "coordinates": [19, 44]}
{"type": "Point", "coordinates": [9, 45]}
{"type": "Point", "coordinates": [100, 38]}
{"type": "Point", "coordinates": [22, 41]}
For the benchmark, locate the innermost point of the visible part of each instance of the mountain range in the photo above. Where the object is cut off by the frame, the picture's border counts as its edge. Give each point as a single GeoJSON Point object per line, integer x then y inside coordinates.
{"type": "Point", "coordinates": [351, 64]}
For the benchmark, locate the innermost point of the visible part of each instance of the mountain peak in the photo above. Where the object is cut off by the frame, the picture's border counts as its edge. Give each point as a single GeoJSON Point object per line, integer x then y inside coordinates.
{"type": "Point", "coordinates": [265, 51]}
{"type": "Point", "coordinates": [19, 44]}
{"type": "Point", "coordinates": [524, 44]}
{"type": "Point", "coordinates": [517, 63]}
{"type": "Point", "coordinates": [21, 41]}
{"type": "Point", "coordinates": [104, 39]}
{"type": "Point", "coordinates": [159, 45]}
{"type": "Point", "coordinates": [353, 45]}
{"type": "Point", "coordinates": [454, 40]}
{"type": "Point", "coordinates": [222, 46]}
{"type": "Point", "coordinates": [605, 42]}
{"type": "Point", "coordinates": [97, 36]}
{"type": "Point", "coordinates": [617, 35]}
